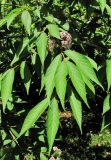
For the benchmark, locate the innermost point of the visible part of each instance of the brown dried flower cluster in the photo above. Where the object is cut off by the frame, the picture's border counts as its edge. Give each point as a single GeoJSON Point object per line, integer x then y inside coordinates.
{"type": "Point", "coordinates": [66, 40]}
{"type": "Point", "coordinates": [51, 44]}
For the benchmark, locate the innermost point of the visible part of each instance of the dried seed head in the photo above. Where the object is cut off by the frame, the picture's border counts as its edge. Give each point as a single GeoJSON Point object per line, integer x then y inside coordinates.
{"type": "Point", "coordinates": [51, 44]}
{"type": "Point", "coordinates": [66, 39]}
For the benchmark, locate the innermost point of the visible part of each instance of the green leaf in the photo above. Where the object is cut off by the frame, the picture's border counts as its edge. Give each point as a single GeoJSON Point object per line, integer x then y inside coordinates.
{"type": "Point", "coordinates": [49, 18]}
{"type": "Point", "coordinates": [93, 63]}
{"type": "Point", "coordinates": [10, 105]}
{"type": "Point", "coordinates": [7, 141]}
{"type": "Point", "coordinates": [106, 122]}
{"type": "Point", "coordinates": [43, 157]}
{"type": "Point", "coordinates": [108, 73]}
{"type": "Point", "coordinates": [25, 75]}
{"type": "Point", "coordinates": [88, 83]}
{"type": "Point", "coordinates": [84, 65]}
{"type": "Point", "coordinates": [24, 45]}
{"type": "Point", "coordinates": [102, 4]}
{"type": "Point", "coordinates": [77, 81]}
{"type": "Point", "coordinates": [13, 16]}
{"type": "Point", "coordinates": [33, 116]}
{"type": "Point", "coordinates": [106, 104]}
{"type": "Point", "coordinates": [10, 16]}
{"type": "Point", "coordinates": [50, 76]}
{"type": "Point", "coordinates": [3, 2]}
{"type": "Point", "coordinates": [26, 20]}
{"type": "Point", "coordinates": [54, 30]}
{"type": "Point", "coordinates": [14, 132]}
{"type": "Point", "coordinates": [76, 109]}
{"type": "Point", "coordinates": [52, 122]}
{"type": "Point", "coordinates": [108, 8]}
{"type": "Point", "coordinates": [42, 46]}
{"type": "Point", "coordinates": [0, 83]}
{"type": "Point", "coordinates": [20, 50]}
{"type": "Point", "coordinates": [60, 81]}
{"type": "Point", "coordinates": [66, 26]}
{"type": "Point", "coordinates": [37, 13]}
{"type": "Point", "coordinates": [6, 86]}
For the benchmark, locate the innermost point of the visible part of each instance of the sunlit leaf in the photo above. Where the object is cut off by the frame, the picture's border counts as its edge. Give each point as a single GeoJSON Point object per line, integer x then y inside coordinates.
{"type": "Point", "coordinates": [108, 8]}
{"type": "Point", "coordinates": [53, 30]}
{"type": "Point", "coordinates": [84, 65]}
{"type": "Point", "coordinates": [43, 157]}
{"type": "Point", "coordinates": [77, 81]}
{"type": "Point", "coordinates": [93, 63]}
{"type": "Point", "coordinates": [13, 16]}
{"type": "Point", "coordinates": [106, 122]}
{"type": "Point", "coordinates": [88, 83]}
{"type": "Point", "coordinates": [106, 104]}
{"type": "Point", "coordinates": [76, 109]}
{"type": "Point", "coordinates": [50, 76]}
{"type": "Point", "coordinates": [10, 16]}
{"type": "Point", "coordinates": [25, 75]}
{"type": "Point", "coordinates": [26, 20]}
{"type": "Point", "coordinates": [102, 4]}
{"type": "Point", "coordinates": [66, 26]}
{"type": "Point", "coordinates": [52, 122]}
{"type": "Point", "coordinates": [20, 50]}
{"type": "Point", "coordinates": [108, 73]}
{"type": "Point", "coordinates": [33, 116]}
{"type": "Point", "coordinates": [60, 81]}
{"type": "Point", "coordinates": [42, 46]}
{"type": "Point", "coordinates": [6, 86]}
{"type": "Point", "coordinates": [49, 18]}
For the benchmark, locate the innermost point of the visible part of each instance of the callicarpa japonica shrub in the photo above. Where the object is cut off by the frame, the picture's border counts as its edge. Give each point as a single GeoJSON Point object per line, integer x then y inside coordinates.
{"type": "Point", "coordinates": [55, 64]}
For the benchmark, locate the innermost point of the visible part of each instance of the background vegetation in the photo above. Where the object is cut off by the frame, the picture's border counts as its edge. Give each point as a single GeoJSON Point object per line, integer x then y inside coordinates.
{"type": "Point", "coordinates": [55, 60]}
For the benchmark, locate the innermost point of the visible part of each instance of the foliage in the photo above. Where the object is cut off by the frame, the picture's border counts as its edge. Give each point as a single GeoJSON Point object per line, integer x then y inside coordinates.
{"type": "Point", "coordinates": [55, 57]}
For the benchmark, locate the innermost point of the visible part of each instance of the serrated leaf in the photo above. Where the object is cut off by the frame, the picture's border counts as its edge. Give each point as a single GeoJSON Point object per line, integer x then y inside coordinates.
{"type": "Point", "coordinates": [106, 104]}
{"type": "Point", "coordinates": [54, 30]}
{"type": "Point", "coordinates": [33, 116]}
{"type": "Point", "coordinates": [42, 46]}
{"type": "Point", "coordinates": [60, 81]}
{"type": "Point", "coordinates": [25, 75]}
{"type": "Point", "coordinates": [50, 76]}
{"type": "Point", "coordinates": [84, 65]}
{"type": "Point", "coordinates": [77, 81]}
{"type": "Point", "coordinates": [108, 73]}
{"type": "Point", "coordinates": [88, 83]}
{"type": "Point", "coordinates": [52, 122]}
{"type": "Point", "coordinates": [24, 45]}
{"type": "Point", "coordinates": [102, 4]}
{"type": "Point", "coordinates": [6, 86]}
{"type": "Point", "coordinates": [13, 16]}
{"type": "Point", "coordinates": [20, 50]}
{"type": "Point", "coordinates": [26, 20]}
{"type": "Point", "coordinates": [9, 15]}
{"type": "Point", "coordinates": [93, 63]}
{"type": "Point", "coordinates": [76, 109]}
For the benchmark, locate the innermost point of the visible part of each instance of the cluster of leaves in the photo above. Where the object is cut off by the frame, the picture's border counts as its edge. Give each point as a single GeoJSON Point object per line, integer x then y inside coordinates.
{"type": "Point", "coordinates": [57, 79]}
